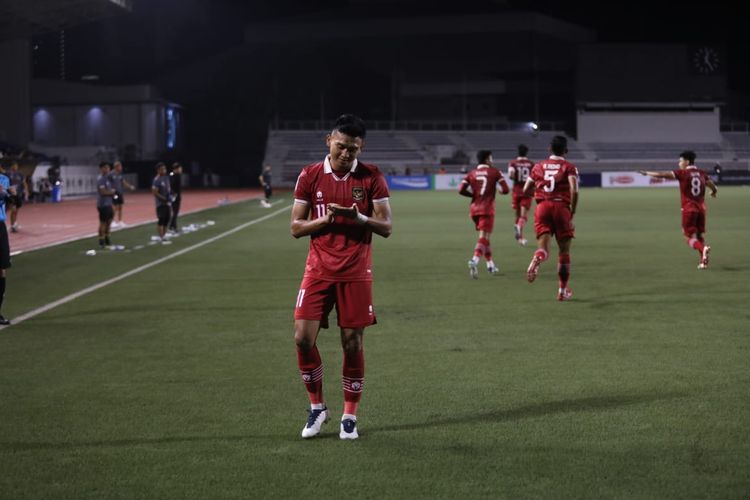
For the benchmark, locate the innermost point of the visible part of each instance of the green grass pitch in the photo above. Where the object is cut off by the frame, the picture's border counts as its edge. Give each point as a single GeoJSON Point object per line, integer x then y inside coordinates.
{"type": "Point", "coordinates": [181, 381]}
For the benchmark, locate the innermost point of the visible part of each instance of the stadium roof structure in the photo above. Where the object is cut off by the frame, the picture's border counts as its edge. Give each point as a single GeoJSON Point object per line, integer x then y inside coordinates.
{"type": "Point", "coordinates": [26, 18]}
{"type": "Point", "coordinates": [323, 28]}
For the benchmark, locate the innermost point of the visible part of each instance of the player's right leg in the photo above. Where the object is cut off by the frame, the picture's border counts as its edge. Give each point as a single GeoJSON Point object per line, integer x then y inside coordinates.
{"type": "Point", "coordinates": [479, 248]}
{"type": "Point", "coordinates": [13, 215]}
{"type": "Point", "coordinates": [540, 255]}
{"type": "Point", "coordinates": [311, 371]}
{"type": "Point", "coordinates": [315, 299]}
{"type": "Point", "coordinates": [522, 218]}
{"type": "Point", "coordinates": [543, 228]}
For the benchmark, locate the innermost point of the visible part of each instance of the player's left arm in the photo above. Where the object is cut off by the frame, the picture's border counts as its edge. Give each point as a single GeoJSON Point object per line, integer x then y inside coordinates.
{"type": "Point", "coordinates": [710, 184]}
{"type": "Point", "coordinates": [573, 181]}
{"type": "Point", "coordinates": [658, 175]}
{"type": "Point", "coordinates": [503, 185]}
{"type": "Point", "coordinates": [380, 221]}
{"type": "Point", "coordinates": [465, 189]}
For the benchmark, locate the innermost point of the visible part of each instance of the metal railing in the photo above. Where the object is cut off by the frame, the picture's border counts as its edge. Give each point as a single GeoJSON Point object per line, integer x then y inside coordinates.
{"type": "Point", "coordinates": [427, 125]}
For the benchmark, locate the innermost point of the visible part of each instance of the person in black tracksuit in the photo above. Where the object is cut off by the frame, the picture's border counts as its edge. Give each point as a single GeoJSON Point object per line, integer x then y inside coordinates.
{"type": "Point", "coordinates": [175, 182]}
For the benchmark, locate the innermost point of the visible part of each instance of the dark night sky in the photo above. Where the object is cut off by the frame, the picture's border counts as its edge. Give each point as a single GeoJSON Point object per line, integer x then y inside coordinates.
{"type": "Point", "coordinates": [161, 39]}
{"type": "Point", "coordinates": [160, 35]}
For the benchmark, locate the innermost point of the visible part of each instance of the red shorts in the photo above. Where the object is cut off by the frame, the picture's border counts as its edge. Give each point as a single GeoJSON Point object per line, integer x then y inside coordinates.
{"type": "Point", "coordinates": [555, 218]}
{"type": "Point", "coordinates": [693, 222]}
{"type": "Point", "coordinates": [484, 222]}
{"type": "Point", "coordinates": [519, 200]}
{"type": "Point", "coordinates": [353, 301]}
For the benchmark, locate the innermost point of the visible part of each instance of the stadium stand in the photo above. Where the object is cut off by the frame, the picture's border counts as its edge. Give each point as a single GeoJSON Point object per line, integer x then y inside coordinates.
{"type": "Point", "coordinates": [652, 150]}
{"type": "Point", "coordinates": [419, 151]}
{"type": "Point", "coordinates": [738, 143]}
{"type": "Point", "coordinates": [424, 151]}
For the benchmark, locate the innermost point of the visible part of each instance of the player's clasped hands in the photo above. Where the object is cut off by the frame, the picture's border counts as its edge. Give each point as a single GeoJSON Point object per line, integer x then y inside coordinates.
{"type": "Point", "coordinates": [348, 212]}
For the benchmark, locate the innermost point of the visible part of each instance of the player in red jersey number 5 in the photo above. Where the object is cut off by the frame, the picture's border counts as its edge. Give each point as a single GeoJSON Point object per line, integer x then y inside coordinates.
{"type": "Point", "coordinates": [339, 202]}
{"type": "Point", "coordinates": [556, 183]}
{"type": "Point", "coordinates": [693, 182]}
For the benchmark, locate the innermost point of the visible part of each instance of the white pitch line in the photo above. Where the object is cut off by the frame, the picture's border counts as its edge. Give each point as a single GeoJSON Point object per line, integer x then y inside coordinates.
{"type": "Point", "coordinates": [138, 224]}
{"type": "Point", "coordinates": [102, 284]}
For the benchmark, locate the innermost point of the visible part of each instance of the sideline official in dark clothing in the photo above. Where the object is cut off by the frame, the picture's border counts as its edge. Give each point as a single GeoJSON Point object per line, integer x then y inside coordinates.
{"type": "Point", "coordinates": [175, 182]}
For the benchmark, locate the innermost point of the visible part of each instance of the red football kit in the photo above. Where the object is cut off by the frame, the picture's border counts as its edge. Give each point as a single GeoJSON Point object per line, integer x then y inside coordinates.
{"type": "Point", "coordinates": [483, 182]}
{"type": "Point", "coordinates": [338, 268]}
{"type": "Point", "coordinates": [518, 171]}
{"type": "Point", "coordinates": [692, 198]}
{"type": "Point", "coordinates": [551, 180]}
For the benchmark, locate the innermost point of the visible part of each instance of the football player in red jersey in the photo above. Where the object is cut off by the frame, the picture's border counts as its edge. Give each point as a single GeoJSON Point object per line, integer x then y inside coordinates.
{"type": "Point", "coordinates": [481, 185]}
{"type": "Point", "coordinates": [518, 171]}
{"type": "Point", "coordinates": [339, 202]}
{"type": "Point", "coordinates": [556, 183]}
{"type": "Point", "coordinates": [693, 182]}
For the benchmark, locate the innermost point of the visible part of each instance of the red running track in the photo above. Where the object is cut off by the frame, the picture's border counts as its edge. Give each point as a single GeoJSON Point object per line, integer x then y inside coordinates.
{"type": "Point", "coordinates": [46, 224]}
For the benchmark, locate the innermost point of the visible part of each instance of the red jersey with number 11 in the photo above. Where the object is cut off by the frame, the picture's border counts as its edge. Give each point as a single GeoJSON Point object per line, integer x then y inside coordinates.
{"type": "Point", "coordinates": [342, 251]}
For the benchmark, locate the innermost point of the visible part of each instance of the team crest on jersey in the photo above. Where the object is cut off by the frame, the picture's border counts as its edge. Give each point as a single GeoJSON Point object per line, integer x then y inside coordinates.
{"type": "Point", "coordinates": [319, 195]}
{"type": "Point", "coordinates": [358, 193]}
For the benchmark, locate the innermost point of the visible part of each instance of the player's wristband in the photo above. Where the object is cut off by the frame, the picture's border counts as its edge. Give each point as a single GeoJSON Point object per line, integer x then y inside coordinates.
{"type": "Point", "coordinates": [362, 218]}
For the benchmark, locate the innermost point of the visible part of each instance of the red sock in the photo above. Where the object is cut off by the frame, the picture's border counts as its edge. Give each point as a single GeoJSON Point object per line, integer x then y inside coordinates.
{"type": "Point", "coordinates": [697, 244]}
{"type": "Point", "coordinates": [542, 254]}
{"type": "Point", "coordinates": [311, 370]}
{"type": "Point", "coordinates": [522, 221]}
{"type": "Point", "coordinates": [563, 270]}
{"type": "Point", "coordinates": [488, 252]}
{"type": "Point", "coordinates": [353, 379]}
{"type": "Point", "coordinates": [481, 247]}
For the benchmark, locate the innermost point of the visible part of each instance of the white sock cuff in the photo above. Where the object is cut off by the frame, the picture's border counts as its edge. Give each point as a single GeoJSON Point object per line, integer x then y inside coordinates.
{"type": "Point", "coordinates": [348, 416]}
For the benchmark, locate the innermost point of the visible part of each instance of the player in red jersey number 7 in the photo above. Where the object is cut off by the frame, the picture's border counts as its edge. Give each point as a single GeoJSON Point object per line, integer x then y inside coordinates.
{"type": "Point", "coordinates": [481, 185]}
{"type": "Point", "coordinates": [556, 183]}
{"type": "Point", "coordinates": [693, 182]}
{"type": "Point", "coordinates": [339, 202]}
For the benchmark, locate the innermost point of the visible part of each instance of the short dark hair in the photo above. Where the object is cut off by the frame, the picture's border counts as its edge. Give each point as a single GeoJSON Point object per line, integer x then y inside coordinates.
{"type": "Point", "coordinates": [350, 125]}
{"type": "Point", "coordinates": [159, 165]}
{"type": "Point", "coordinates": [689, 156]}
{"type": "Point", "coordinates": [523, 149]}
{"type": "Point", "coordinates": [559, 145]}
{"type": "Point", "coordinates": [104, 164]}
{"type": "Point", "coordinates": [176, 164]}
{"type": "Point", "coordinates": [483, 155]}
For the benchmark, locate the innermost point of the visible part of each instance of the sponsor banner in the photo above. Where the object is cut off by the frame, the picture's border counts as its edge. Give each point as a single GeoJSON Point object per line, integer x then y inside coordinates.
{"type": "Point", "coordinates": [411, 182]}
{"type": "Point", "coordinates": [590, 180]}
{"type": "Point", "coordinates": [445, 182]}
{"type": "Point", "coordinates": [633, 180]}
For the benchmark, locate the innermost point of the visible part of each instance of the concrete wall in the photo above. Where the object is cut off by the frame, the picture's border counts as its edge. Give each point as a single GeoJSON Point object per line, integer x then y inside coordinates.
{"type": "Point", "coordinates": [649, 126]}
{"type": "Point", "coordinates": [107, 125]}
